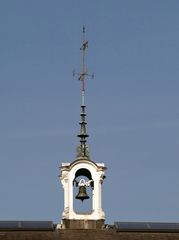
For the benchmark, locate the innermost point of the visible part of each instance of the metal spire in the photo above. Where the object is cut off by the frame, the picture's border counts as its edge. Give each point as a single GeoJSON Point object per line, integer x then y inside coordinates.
{"type": "Point", "coordinates": [82, 149]}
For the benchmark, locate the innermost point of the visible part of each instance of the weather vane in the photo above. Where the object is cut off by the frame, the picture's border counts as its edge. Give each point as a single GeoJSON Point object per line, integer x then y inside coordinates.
{"type": "Point", "coordinates": [81, 76]}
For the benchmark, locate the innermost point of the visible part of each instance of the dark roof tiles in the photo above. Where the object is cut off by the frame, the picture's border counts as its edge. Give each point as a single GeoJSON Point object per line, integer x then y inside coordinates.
{"type": "Point", "coordinates": [69, 234]}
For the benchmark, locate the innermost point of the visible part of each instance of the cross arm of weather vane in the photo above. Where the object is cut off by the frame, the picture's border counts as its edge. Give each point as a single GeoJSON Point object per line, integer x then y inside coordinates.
{"type": "Point", "coordinates": [79, 75]}
{"type": "Point", "coordinates": [84, 46]}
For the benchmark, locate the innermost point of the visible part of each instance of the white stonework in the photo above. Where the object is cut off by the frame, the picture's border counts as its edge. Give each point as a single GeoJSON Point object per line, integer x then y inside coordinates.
{"type": "Point", "coordinates": [67, 177]}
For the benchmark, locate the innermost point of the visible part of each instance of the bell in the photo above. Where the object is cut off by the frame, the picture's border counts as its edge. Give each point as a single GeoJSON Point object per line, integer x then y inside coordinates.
{"type": "Point", "coordinates": [82, 193]}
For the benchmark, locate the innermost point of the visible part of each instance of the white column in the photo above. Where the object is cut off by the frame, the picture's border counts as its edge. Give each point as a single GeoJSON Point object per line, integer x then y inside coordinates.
{"type": "Point", "coordinates": [70, 192]}
{"type": "Point", "coordinates": [93, 200]}
{"type": "Point", "coordinates": [99, 200]}
{"type": "Point", "coordinates": [65, 183]}
{"type": "Point", "coordinates": [96, 194]}
{"type": "Point", "coordinates": [66, 200]}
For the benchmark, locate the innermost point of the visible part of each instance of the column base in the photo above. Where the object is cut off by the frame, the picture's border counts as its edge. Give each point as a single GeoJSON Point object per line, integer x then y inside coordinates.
{"type": "Point", "coordinates": [82, 224]}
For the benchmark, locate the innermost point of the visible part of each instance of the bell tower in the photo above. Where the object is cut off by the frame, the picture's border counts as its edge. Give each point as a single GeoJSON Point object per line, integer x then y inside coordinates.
{"type": "Point", "coordinates": [83, 174]}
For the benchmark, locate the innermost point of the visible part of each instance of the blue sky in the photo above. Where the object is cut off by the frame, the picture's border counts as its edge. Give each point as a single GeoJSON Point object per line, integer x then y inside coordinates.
{"type": "Point", "coordinates": [132, 105]}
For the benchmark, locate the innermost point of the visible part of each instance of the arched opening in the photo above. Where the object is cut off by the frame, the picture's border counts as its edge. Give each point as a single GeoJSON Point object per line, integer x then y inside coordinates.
{"type": "Point", "coordinates": [83, 178]}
